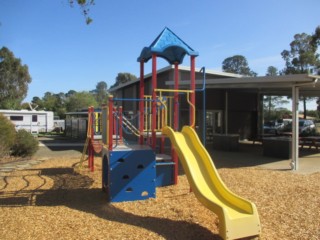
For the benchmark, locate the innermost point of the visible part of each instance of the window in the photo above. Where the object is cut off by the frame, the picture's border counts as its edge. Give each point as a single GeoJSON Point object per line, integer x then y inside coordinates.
{"type": "Point", "coordinates": [34, 118]}
{"type": "Point", "coordinates": [16, 118]}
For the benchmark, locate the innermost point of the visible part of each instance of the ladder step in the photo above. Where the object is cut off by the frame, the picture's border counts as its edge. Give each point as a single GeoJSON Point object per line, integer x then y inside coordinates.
{"type": "Point", "coordinates": [115, 137]}
{"type": "Point", "coordinates": [149, 134]}
{"type": "Point", "coordinates": [164, 160]}
{"type": "Point", "coordinates": [164, 163]}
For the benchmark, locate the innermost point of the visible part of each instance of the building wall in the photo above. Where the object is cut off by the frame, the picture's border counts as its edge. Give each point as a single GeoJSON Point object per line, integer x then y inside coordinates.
{"type": "Point", "coordinates": [243, 115]}
{"type": "Point", "coordinates": [242, 106]}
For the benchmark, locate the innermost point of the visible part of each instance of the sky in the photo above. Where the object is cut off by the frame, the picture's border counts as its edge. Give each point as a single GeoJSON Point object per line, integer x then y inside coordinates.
{"type": "Point", "coordinates": [63, 53]}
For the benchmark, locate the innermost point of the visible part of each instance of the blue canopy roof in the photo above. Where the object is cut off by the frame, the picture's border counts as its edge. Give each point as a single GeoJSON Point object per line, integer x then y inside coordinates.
{"type": "Point", "coordinates": [168, 46]}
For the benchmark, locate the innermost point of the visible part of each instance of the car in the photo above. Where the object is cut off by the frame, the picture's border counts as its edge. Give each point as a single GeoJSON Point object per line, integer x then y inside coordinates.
{"type": "Point", "coordinates": [273, 127]}
{"type": "Point", "coordinates": [306, 127]}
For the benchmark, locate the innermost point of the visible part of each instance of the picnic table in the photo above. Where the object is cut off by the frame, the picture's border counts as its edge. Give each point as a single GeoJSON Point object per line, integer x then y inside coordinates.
{"type": "Point", "coordinates": [311, 141]}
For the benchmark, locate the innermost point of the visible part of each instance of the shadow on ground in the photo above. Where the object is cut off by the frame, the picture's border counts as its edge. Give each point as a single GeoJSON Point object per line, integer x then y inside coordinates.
{"type": "Point", "coordinates": [73, 190]}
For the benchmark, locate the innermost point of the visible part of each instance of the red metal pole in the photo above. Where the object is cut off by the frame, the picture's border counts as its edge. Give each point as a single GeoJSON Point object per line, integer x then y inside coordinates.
{"type": "Point", "coordinates": [193, 87]}
{"type": "Point", "coordinates": [141, 103]}
{"type": "Point", "coordinates": [89, 136]}
{"type": "Point", "coordinates": [176, 120]}
{"type": "Point", "coordinates": [176, 97]}
{"type": "Point", "coordinates": [120, 123]}
{"type": "Point", "coordinates": [115, 130]}
{"type": "Point", "coordinates": [91, 150]}
{"type": "Point", "coordinates": [110, 123]}
{"type": "Point", "coordinates": [154, 97]}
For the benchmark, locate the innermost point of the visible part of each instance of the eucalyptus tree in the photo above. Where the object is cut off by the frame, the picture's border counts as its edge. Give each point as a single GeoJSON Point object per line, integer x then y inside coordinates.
{"type": "Point", "coordinates": [302, 57]}
{"type": "Point", "coordinates": [237, 64]}
{"type": "Point", "coordinates": [14, 80]}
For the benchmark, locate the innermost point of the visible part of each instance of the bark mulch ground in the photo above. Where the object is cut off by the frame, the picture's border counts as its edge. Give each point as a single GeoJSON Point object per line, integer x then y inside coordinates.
{"type": "Point", "coordinates": [54, 200]}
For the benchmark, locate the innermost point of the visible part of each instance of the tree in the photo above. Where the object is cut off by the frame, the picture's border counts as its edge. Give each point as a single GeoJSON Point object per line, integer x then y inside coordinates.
{"type": "Point", "coordinates": [270, 102]}
{"type": "Point", "coordinates": [123, 78]}
{"type": "Point", "coordinates": [14, 80]}
{"type": "Point", "coordinates": [37, 102]}
{"type": "Point", "coordinates": [70, 93]}
{"type": "Point", "coordinates": [237, 64]}
{"type": "Point", "coordinates": [49, 101]}
{"type": "Point", "coordinates": [52, 102]}
{"type": "Point", "coordinates": [101, 92]}
{"type": "Point", "coordinates": [316, 42]}
{"type": "Point", "coordinates": [272, 71]}
{"type": "Point", "coordinates": [7, 136]}
{"type": "Point", "coordinates": [302, 54]}
{"type": "Point", "coordinates": [302, 57]}
{"type": "Point", "coordinates": [79, 101]}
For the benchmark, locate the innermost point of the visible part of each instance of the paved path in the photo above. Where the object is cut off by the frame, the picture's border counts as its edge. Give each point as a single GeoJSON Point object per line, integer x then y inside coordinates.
{"type": "Point", "coordinates": [18, 165]}
{"type": "Point", "coordinates": [48, 148]}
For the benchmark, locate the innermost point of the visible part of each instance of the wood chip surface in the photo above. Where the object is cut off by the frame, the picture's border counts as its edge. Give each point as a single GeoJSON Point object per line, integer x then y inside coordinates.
{"type": "Point", "coordinates": [54, 200]}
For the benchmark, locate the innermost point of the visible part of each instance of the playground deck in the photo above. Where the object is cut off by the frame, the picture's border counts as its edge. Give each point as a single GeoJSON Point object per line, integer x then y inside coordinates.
{"type": "Point", "coordinates": [52, 199]}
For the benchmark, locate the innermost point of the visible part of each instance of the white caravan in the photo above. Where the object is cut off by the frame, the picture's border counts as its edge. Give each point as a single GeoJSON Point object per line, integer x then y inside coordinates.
{"type": "Point", "coordinates": [33, 121]}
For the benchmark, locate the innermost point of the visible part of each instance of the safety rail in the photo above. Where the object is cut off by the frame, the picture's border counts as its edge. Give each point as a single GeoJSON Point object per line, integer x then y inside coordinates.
{"type": "Point", "coordinates": [164, 112]}
{"type": "Point", "coordinates": [129, 125]}
{"type": "Point", "coordinates": [188, 92]}
{"type": "Point", "coordinates": [114, 119]}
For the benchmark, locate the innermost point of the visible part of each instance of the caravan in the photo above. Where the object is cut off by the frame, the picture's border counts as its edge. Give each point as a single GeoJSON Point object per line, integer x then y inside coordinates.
{"type": "Point", "coordinates": [32, 121]}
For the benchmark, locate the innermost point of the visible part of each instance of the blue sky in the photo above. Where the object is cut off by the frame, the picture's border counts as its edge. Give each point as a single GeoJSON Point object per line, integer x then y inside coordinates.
{"type": "Point", "coordinates": [63, 53]}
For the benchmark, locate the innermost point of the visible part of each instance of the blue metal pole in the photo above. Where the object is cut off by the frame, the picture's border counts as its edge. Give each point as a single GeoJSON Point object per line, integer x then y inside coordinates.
{"type": "Point", "coordinates": [204, 107]}
{"type": "Point", "coordinates": [203, 90]}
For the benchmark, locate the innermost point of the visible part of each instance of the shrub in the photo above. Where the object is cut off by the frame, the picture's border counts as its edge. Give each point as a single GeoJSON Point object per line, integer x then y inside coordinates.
{"type": "Point", "coordinates": [7, 135]}
{"type": "Point", "coordinates": [25, 144]}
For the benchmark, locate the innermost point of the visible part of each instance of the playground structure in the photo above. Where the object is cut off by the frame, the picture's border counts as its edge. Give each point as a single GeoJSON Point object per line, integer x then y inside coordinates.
{"type": "Point", "coordinates": [93, 142]}
{"type": "Point", "coordinates": [133, 171]}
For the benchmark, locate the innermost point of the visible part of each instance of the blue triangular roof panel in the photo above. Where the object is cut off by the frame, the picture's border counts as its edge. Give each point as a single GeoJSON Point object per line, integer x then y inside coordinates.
{"type": "Point", "coordinates": [168, 46]}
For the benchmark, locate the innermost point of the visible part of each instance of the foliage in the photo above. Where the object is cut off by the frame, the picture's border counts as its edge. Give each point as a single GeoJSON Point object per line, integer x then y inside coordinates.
{"type": "Point", "coordinates": [270, 102]}
{"type": "Point", "coordinates": [70, 93]}
{"type": "Point", "coordinates": [101, 93]}
{"type": "Point", "coordinates": [85, 7]}
{"type": "Point", "coordinates": [80, 101]}
{"type": "Point", "coordinates": [302, 55]}
{"type": "Point", "coordinates": [7, 136]}
{"type": "Point", "coordinates": [269, 106]}
{"type": "Point", "coordinates": [123, 78]}
{"type": "Point", "coordinates": [14, 80]}
{"type": "Point", "coordinates": [51, 102]}
{"type": "Point", "coordinates": [25, 144]}
{"type": "Point", "coordinates": [272, 71]}
{"type": "Point", "coordinates": [316, 37]}
{"type": "Point", "coordinates": [237, 64]}
{"type": "Point", "coordinates": [313, 113]}
{"type": "Point", "coordinates": [276, 113]}
{"type": "Point", "coordinates": [61, 103]}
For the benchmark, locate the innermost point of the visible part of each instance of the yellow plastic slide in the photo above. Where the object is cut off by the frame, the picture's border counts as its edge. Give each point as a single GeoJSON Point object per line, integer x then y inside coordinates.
{"type": "Point", "coordinates": [238, 218]}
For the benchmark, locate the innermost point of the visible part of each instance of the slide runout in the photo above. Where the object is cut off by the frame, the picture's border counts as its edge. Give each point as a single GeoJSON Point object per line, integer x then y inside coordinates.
{"type": "Point", "coordinates": [238, 217]}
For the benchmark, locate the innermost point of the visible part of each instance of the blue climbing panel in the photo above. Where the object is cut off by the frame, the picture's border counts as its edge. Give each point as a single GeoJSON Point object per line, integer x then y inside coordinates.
{"type": "Point", "coordinates": [129, 174]}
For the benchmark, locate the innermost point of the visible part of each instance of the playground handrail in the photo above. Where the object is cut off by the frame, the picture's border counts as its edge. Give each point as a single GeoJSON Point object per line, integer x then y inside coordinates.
{"type": "Point", "coordinates": [188, 100]}
{"type": "Point", "coordinates": [130, 126]}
